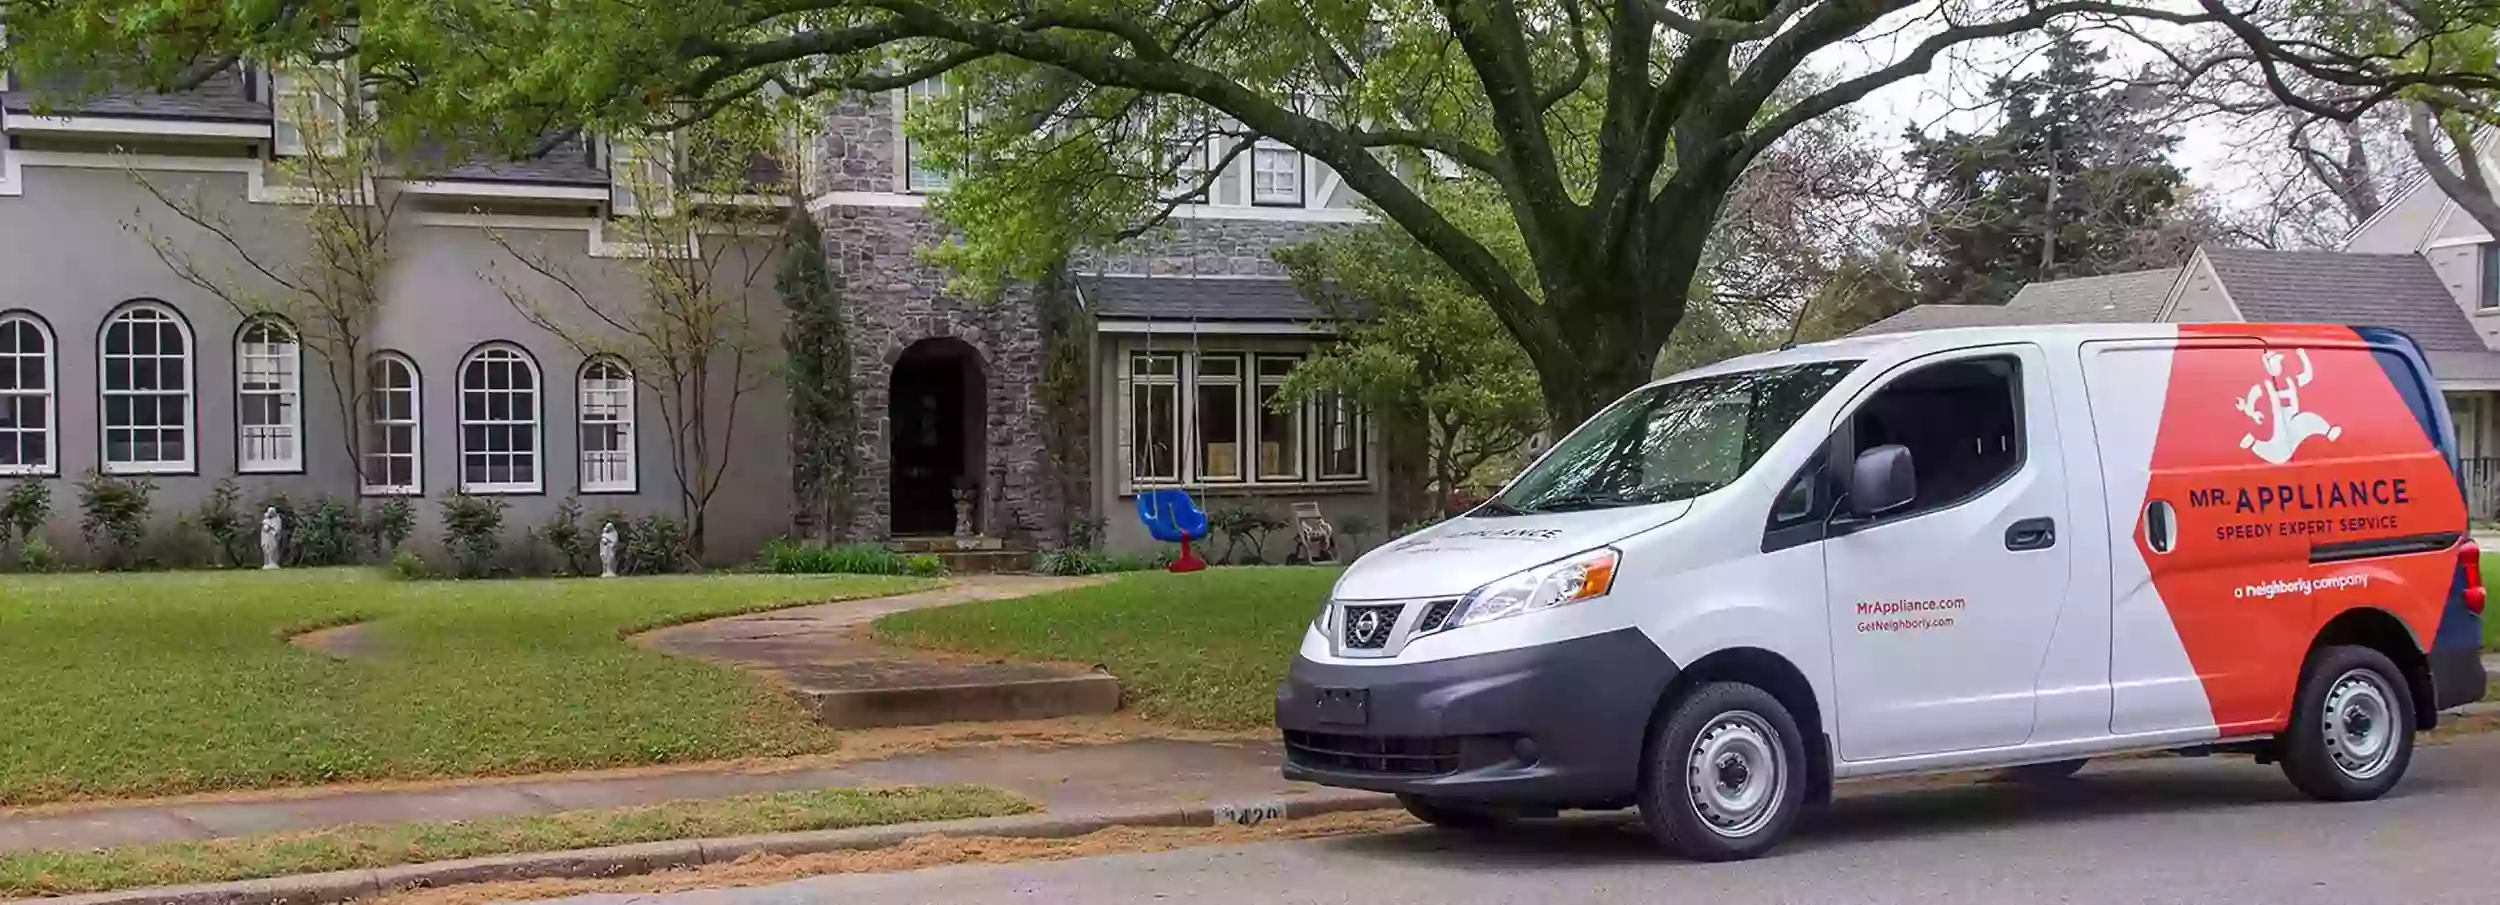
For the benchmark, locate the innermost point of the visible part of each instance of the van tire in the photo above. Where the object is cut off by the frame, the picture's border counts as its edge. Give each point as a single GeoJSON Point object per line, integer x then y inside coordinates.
{"type": "Point", "coordinates": [1742, 728]}
{"type": "Point", "coordinates": [2369, 745]}
{"type": "Point", "coordinates": [1450, 815]}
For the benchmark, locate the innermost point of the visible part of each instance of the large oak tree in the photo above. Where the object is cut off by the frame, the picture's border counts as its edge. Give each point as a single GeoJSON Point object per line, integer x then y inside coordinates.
{"type": "Point", "coordinates": [1676, 97]}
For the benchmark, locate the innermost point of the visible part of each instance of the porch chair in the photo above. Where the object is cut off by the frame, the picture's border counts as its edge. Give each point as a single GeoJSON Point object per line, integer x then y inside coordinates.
{"type": "Point", "coordinates": [1315, 540]}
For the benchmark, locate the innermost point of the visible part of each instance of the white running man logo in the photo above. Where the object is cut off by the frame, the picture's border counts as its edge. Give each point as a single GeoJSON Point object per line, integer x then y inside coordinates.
{"type": "Point", "coordinates": [2291, 425]}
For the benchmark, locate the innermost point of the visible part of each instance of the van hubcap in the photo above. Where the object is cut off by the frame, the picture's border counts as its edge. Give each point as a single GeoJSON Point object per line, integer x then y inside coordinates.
{"type": "Point", "coordinates": [2360, 724]}
{"type": "Point", "coordinates": [1736, 774]}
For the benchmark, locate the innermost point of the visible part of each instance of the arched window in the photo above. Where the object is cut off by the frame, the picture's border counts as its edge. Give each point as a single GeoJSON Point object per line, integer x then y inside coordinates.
{"type": "Point", "coordinates": [268, 397]}
{"type": "Point", "coordinates": [29, 444]}
{"type": "Point", "coordinates": [392, 428]}
{"type": "Point", "coordinates": [145, 385]}
{"type": "Point", "coordinates": [607, 427]}
{"type": "Point", "coordinates": [499, 422]}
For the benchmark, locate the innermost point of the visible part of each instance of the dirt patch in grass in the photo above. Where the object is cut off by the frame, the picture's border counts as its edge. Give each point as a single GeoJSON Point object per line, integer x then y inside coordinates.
{"type": "Point", "coordinates": [338, 642]}
{"type": "Point", "coordinates": [927, 851]}
{"type": "Point", "coordinates": [364, 847]}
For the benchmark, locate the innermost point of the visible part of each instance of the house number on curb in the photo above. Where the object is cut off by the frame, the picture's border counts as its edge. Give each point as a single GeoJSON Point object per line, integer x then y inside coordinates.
{"type": "Point", "coordinates": [1250, 814]}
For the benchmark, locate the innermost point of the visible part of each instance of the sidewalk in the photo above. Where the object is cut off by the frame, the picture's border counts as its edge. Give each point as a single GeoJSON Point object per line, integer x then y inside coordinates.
{"type": "Point", "coordinates": [1064, 781]}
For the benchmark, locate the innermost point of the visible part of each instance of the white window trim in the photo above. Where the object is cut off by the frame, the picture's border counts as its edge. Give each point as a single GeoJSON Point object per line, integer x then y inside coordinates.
{"type": "Point", "coordinates": [293, 427]}
{"type": "Point", "coordinates": [537, 422]}
{"type": "Point", "coordinates": [903, 143]}
{"type": "Point", "coordinates": [625, 154]}
{"type": "Point", "coordinates": [49, 397]}
{"type": "Point", "coordinates": [415, 422]}
{"type": "Point", "coordinates": [287, 84]}
{"type": "Point", "coordinates": [1130, 446]}
{"type": "Point", "coordinates": [1301, 447]}
{"type": "Point", "coordinates": [1301, 192]}
{"type": "Point", "coordinates": [2486, 261]}
{"type": "Point", "coordinates": [189, 394]}
{"type": "Point", "coordinates": [629, 440]}
{"type": "Point", "coordinates": [1355, 423]}
{"type": "Point", "coordinates": [1245, 446]}
{"type": "Point", "coordinates": [1305, 417]}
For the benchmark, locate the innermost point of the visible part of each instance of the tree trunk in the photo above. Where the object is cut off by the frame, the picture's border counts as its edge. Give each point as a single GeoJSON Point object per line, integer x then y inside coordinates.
{"type": "Point", "coordinates": [1404, 450]}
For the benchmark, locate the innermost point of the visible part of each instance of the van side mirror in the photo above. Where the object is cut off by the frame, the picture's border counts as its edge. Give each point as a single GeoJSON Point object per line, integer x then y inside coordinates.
{"type": "Point", "coordinates": [1881, 481]}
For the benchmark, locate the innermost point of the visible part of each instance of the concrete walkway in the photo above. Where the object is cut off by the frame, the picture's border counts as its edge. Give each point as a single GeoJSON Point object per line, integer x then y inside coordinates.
{"type": "Point", "coordinates": [1069, 780]}
{"type": "Point", "coordinates": [821, 654]}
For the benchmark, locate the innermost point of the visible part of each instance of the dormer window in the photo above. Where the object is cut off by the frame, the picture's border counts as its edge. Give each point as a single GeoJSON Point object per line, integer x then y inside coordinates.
{"type": "Point", "coordinates": [643, 173]}
{"type": "Point", "coordinates": [306, 101]}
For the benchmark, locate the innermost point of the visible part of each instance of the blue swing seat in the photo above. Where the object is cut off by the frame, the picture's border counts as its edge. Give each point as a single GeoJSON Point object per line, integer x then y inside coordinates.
{"type": "Point", "coordinates": [1171, 516]}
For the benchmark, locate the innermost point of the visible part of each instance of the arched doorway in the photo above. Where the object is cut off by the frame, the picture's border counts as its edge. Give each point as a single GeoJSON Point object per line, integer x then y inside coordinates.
{"type": "Point", "coordinates": [936, 418]}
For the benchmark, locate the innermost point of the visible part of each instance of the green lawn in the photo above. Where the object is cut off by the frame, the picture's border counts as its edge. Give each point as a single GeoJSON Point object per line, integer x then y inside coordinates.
{"type": "Point", "coordinates": [149, 684]}
{"type": "Point", "coordinates": [365, 847]}
{"type": "Point", "coordinates": [2491, 621]}
{"type": "Point", "coordinates": [1203, 650]}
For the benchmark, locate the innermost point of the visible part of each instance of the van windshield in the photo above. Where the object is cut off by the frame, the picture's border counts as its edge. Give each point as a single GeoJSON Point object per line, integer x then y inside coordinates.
{"type": "Point", "coordinates": [1673, 441]}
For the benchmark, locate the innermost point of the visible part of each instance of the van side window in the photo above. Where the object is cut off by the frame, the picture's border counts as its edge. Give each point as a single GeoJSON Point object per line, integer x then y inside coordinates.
{"type": "Point", "coordinates": [1962, 422]}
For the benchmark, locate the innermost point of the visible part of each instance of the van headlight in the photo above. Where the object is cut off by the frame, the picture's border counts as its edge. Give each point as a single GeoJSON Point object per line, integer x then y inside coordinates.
{"type": "Point", "coordinates": [1586, 576]}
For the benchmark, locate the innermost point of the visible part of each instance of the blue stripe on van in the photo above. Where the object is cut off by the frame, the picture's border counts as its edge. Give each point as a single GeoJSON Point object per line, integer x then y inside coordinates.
{"type": "Point", "coordinates": [2459, 628]}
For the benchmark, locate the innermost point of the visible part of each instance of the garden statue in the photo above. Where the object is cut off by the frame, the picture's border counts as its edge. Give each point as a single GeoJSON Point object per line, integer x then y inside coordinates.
{"type": "Point", "coordinates": [963, 515]}
{"type": "Point", "coordinates": [607, 550]}
{"type": "Point", "coordinates": [270, 524]}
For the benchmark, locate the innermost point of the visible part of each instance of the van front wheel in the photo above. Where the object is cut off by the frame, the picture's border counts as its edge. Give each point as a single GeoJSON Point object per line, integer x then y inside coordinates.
{"type": "Point", "coordinates": [2351, 732]}
{"type": "Point", "coordinates": [1726, 773]}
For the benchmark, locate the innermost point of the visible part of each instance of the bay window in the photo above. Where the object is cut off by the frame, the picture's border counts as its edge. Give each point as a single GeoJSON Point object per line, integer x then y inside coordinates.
{"type": "Point", "coordinates": [1212, 418]}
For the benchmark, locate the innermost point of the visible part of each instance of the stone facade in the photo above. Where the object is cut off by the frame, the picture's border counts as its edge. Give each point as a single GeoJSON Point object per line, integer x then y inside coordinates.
{"type": "Point", "coordinates": [1033, 476]}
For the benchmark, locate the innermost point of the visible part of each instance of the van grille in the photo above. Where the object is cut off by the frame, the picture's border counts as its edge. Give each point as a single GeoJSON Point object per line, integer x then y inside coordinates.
{"type": "Point", "coordinates": [1370, 627]}
{"type": "Point", "coordinates": [1404, 756]}
{"type": "Point", "coordinates": [1435, 615]}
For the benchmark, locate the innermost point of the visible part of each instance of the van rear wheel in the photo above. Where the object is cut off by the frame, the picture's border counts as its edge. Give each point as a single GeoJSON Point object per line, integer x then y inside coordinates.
{"type": "Point", "coordinates": [1726, 773]}
{"type": "Point", "coordinates": [2351, 732]}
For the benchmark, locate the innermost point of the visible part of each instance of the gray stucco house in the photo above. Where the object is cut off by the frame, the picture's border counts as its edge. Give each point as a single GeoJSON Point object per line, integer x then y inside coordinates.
{"type": "Point", "coordinates": [109, 361]}
{"type": "Point", "coordinates": [2422, 265]}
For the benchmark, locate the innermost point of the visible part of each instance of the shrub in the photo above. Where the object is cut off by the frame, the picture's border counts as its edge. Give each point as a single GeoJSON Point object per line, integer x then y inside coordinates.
{"type": "Point", "coordinates": [787, 557]}
{"type": "Point", "coordinates": [1095, 562]}
{"type": "Point", "coordinates": [224, 523]}
{"type": "Point", "coordinates": [1244, 524]}
{"type": "Point", "coordinates": [179, 544]}
{"type": "Point", "coordinates": [528, 557]}
{"type": "Point", "coordinates": [1085, 533]}
{"type": "Point", "coordinates": [473, 533]}
{"type": "Point", "coordinates": [1353, 528]}
{"type": "Point", "coordinates": [407, 565]}
{"type": "Point", "coordinates": [28, 506]}
{"type": "Point", "coordinates": [327, 536]}
{"type": "Point", "coordinates": [37, 555]}
{"type": "Point", "coordinates": [390, 525]}
{"type": "Point", "coordinates": [576, 551]}
{"type": "Point", "coordinates": [114, 516]}
{"type": "Point", "coordinates": [655, 545]}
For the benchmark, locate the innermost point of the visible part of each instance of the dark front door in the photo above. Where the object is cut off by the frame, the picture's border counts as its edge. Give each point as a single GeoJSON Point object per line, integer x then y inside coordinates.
{"type": "Point", "coordinates": [930, 444]}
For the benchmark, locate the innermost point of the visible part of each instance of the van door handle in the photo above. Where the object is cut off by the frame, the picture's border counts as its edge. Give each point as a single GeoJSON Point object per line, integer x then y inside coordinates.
{"type": "Point", "coordinates": [2031, 534]}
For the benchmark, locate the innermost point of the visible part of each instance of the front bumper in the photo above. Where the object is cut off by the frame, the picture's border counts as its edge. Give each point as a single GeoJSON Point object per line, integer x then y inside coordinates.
{"type": "Point", "coordinates": [1555, 724]}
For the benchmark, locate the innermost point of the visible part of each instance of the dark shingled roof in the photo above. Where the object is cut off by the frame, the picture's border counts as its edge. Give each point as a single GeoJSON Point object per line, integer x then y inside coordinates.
{"type": "Point", "coordinates": [569, 163]}
{"type": "Point", "coordinates": [2118, 298]}
{"type": "Point", "coordinates": [1941, 317]}
{"type": "Point", "coordinates": [2400, 291]}
{"type": "Point", "coordinates": [225, 97]}
{"type": "Point", "coordinates": [1199, 298]}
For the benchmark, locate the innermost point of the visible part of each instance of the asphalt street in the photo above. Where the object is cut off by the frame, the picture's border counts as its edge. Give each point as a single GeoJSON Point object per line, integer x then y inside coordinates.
{"type": "Point", "coordinates": [2165, 830]}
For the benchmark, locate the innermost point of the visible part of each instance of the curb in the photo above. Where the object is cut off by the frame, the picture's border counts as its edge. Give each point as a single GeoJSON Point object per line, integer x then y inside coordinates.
{"type": "Point", "coordinates": [648, 857]}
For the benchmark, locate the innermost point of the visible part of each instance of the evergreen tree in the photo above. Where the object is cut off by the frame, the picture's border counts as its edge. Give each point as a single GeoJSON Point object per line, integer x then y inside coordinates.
{"type": "Point", "coordinates": [2065, 186]}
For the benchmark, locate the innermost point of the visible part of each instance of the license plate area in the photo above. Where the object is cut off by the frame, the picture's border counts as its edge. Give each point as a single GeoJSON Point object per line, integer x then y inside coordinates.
{"type": "Point", "coordinates": [1342, 706]}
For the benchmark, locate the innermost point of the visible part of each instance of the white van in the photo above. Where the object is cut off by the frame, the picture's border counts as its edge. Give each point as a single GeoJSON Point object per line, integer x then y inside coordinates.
{"type": "Point", "coordinates": [1990, 548]}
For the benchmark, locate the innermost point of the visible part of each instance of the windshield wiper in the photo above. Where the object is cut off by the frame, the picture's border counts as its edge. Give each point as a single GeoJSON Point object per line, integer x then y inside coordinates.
{"type": "Point", "coordinates": [1497, 507]}
{"type": "Point", "coordinates": [1583, 501]}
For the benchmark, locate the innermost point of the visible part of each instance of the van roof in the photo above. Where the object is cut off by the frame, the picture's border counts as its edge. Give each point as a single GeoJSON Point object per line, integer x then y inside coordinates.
{"type": "Point", "coordinates": [1885, 348]}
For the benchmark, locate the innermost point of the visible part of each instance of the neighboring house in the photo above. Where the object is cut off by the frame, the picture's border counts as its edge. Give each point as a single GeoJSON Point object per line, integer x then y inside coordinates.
{"type": "Point", "coordinates": [109, 361]}
{"type": "Point", "coordinates": [2421, 266]}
